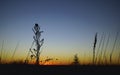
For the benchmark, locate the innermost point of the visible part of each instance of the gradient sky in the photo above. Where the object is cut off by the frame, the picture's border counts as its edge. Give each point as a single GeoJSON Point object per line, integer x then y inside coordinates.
{"type": "Point", "coordinates": [69, 26]}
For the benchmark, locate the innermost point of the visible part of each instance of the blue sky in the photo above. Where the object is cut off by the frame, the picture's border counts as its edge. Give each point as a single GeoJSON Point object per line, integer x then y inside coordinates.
{"type": "Point", "coordinates": [69, 25]}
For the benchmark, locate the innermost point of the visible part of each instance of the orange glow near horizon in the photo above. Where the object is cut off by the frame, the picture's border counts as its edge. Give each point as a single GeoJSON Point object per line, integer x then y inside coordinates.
{"type": "Point", "coordinates": [61, 60]}
{"type": "Point", "coordinates": [115, 61]}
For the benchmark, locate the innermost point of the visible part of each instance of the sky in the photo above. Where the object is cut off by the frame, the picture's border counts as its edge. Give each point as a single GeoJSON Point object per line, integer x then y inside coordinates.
{"type": "Point", "coordinates": [69, 27]}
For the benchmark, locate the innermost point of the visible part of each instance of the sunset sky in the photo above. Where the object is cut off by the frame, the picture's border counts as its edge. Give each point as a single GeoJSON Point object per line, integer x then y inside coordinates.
{"type": "Point", "coordinates": [69, 27]}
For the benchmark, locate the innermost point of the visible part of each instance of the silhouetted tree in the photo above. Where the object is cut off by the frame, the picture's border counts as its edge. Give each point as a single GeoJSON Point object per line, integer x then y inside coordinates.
{"type": "Point", "coordinates": [76, 60]}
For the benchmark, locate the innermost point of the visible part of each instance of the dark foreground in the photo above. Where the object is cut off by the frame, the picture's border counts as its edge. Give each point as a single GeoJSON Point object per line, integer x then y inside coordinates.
{"type": "Point", "coordinates": [17, 69]}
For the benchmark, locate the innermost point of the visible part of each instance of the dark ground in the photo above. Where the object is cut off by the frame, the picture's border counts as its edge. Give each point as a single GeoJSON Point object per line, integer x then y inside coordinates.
{"type": "Point", "coordinates": [22, 69]}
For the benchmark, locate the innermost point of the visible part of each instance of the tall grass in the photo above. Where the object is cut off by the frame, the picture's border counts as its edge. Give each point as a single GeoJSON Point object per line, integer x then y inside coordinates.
{"type": "Point", "coordinates": [14, 51]}
{"type": "Point", "coordinates": [100, 55]}
{"type": "Point", "coordinates": [98, 50]}
{"type": "Point", "coordinates": [95, 41]}
{"type": "Point", "coordinates": [1, 52]}
{"type": "Point", "coordinates": [102, 48]}
{"type": "Point", "coordinates": [104, 55]}
{"type": "Point", "coordinates": [111, 54]}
